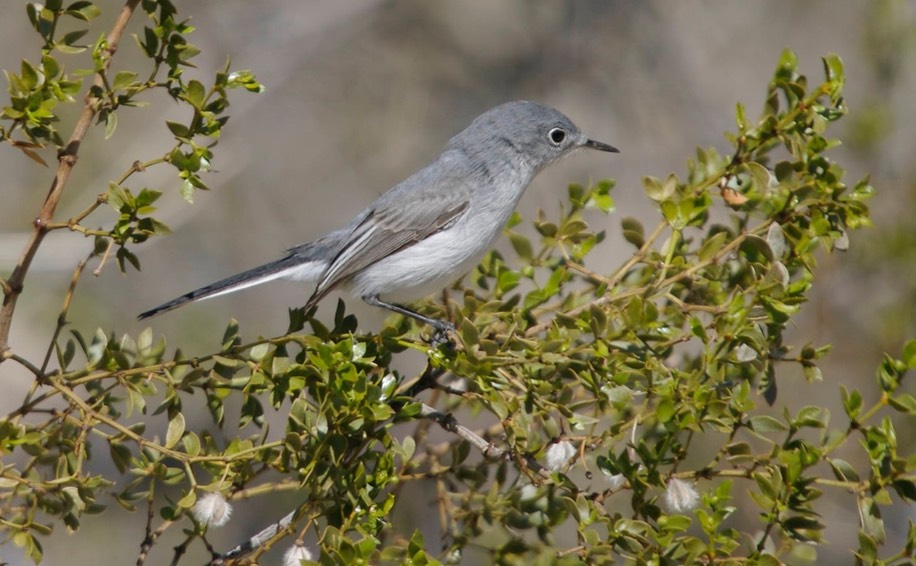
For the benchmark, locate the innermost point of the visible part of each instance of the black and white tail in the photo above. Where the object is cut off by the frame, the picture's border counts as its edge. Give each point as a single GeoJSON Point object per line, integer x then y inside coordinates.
{"type": "Point", "coordinates": [291, 266]}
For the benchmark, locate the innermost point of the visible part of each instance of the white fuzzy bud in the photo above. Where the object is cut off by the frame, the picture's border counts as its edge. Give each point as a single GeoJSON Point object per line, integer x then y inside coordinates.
{"type": "Point", "coordinates": [558, 454]}
{"type": "Point", "coordinates": [296, 554]}
{"type": "Point", "coordinates": [615, 481]}
{"type": "Point", "coordinates": [680, 496]}
{"type": "Point", "coordinates": [212, 510]}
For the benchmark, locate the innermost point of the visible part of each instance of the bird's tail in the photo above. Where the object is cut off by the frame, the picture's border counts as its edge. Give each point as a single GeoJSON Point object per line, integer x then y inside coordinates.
{"type": "Point", "coordinates": [292, 266]}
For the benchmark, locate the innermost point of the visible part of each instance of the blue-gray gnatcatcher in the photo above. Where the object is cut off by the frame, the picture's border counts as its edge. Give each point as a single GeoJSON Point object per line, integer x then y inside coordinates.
{"type": "Point", "coordinates": [424, 233]}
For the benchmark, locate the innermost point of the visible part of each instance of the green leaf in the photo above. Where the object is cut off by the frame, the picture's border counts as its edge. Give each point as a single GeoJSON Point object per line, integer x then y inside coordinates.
{"type": "Point", "coordinates": [665, 410]}
{"type": "Point", "coordinates": [191, 444]}
{"type": "Point", "coordinates": [765, 423]}
{"type": "Point", "coordinates": [741, 118]}
{"type": "Point", "coordinates": [150, 43]}
{"type": "Point", "coordinates": [868, 548]}
{"type": "Point", "coordinates": [188, 190]}
{"type": "Point", "coordinates": [712, 245]}
{"type": "Point", "coordinates": [188, 500]}
{"type": "Point", "coordinates": [507, 280]}
{"type": "Point", "coordinates": [633, 231]}
{"type": "Point", "coordinates": [258, 352]}
{"type": "Point", "coordinates": [906, 489]}
{"type": "Point", "coordinates": [175, 430]}
{"type": "Point", "coordinates": [756, 249]}
{"type": "Point", "coordinates": [67, 42]}
{"type": "Point", "coordinates": [659, 190]}
{"type": "Point", "coordinates": [904, 402]}
{"type": "Point", "coordinates": [776, 239]}
{"type": "Point", "coordinates": [909, 354]}
{"type": "Point", "coordinates": [84, 11]}
{"type": "Point", "coordinates": [30, 76]}
{"type": "Point", "coordinates": [125, 256]}
{"type": "Point", "coordinates": [677, 214]}
{"type": "Point", "coordinates": [843, 470]}
{"type": "Point", "coordinates": [604, 202]}
{"type": "Point", "coordinates": [812, 417]}
{"type": "Point", "coordinates": [852, 402]}
{"type": "Point", "coordinates": [123, 79]}
{"type": "Point", "coordinates": [763, 178]}
{"type": "Point", "coordinates": [49, 66]}
{"type": "Point", "coordinates": [195, 94]}
{"type": "Point", "coordinates": [870, 518]}
{"type": "Point", "coordinates": [178, 130]}
{"type": "Point", "coordinates": [833, 67]}
{"type": "Point", "coordinates": [788, 62]}
{"type": "Point", "coordinates": [111, 124]}
{"type": "Point", "coordinates": [522, 246]}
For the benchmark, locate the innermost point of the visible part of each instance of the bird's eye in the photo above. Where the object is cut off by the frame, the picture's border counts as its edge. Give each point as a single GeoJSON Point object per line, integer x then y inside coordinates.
{"type": "Point", "coordinates": [557, 135]}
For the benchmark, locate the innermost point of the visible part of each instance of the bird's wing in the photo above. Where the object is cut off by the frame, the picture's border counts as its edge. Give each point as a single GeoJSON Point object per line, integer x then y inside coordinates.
{"type": "Point", "coordinates": [411, 212]}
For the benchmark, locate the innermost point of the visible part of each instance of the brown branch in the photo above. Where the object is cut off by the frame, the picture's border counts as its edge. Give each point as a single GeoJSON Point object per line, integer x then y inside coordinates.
{"type": "Point", "coordinates": [66, 159]}
{"type": "Point", "coordinates": [105, 255]}
{"type": "Point", "coordinates": [151, 535]}
{"type": "Point", "coordinates": [488, 449]}
{"type": "Point", "coordinates": [22, 361]}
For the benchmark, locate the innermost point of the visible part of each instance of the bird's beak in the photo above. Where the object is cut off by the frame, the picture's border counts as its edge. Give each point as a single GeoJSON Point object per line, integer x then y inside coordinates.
{"type": "Point", "coordinates": [600, 146]}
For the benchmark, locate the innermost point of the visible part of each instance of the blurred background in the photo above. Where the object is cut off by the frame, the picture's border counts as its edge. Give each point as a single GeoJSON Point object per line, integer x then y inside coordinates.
{"type": "Point", "coordinates": [361, 94]}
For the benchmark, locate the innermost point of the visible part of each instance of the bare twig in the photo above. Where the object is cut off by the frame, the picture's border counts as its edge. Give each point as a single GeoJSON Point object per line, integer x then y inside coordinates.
{"type": "Point", "coordinates": [62, 317]}
{"type": "Point", "coordinates": [488, 449]}
{"type": "Point", "coordinates": [98, 270]}
{"type": "Point", "coordinates": [449, 423]}
{"type": "Point", "coordinates": [151, 536]}
{"type": "Point", "coordinates": [102, 198]}
{"type": "Point", "coordinates": [7, 355]}
{"type": "Point", "coordinates": [66, 160]}
{"type": "Point", "coordinates": [180, 549]}
{"type": "Point", "coordinates": [584, 271]}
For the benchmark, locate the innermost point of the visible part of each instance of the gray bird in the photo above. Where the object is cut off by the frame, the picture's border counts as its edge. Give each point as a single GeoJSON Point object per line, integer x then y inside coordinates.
{"type": "Point", "coordinates": [426, 232]}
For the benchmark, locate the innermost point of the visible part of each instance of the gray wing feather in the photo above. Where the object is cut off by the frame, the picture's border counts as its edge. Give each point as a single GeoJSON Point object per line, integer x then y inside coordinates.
{"type": "Point", "coordinates": [422, 205]}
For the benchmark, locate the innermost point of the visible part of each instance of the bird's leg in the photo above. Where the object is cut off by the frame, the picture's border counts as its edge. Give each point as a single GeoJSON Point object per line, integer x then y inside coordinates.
{"type": "Point", "coordinates": [442, 327]}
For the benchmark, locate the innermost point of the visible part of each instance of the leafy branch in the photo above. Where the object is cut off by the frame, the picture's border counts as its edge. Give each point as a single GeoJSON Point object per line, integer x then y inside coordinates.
{"type": "Point", "coordinates": [566, 388]}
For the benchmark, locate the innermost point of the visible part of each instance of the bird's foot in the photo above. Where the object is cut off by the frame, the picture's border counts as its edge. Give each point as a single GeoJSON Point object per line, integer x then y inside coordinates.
{"type": "Point", "coordinates": [443, 334]}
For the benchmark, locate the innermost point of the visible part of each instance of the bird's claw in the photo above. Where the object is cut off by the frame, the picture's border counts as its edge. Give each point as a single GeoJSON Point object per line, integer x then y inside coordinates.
{"type": "Point", "coordinates": [442, 335]}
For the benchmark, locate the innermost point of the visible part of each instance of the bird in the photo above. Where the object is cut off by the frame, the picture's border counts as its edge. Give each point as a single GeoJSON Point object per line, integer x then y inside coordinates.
{"type": "Point", "coordinates": [429, 230]}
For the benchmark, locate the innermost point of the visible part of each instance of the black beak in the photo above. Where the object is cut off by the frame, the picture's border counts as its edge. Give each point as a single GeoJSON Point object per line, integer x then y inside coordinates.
{"type": "Point", "coordinates": [601, 146]}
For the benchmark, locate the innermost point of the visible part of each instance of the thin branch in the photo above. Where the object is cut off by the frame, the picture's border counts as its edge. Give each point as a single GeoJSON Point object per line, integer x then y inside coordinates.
{"type": "Point", "coordinates": [76, 228]}
{"type": "Point", "coordinates": [638, 256]}
{"type": "Point", "coordinates": [102, 198]}
{"type": "Point", "coordinates": [449, 423]}
{"type": "Point", "coordinates": [488, 449]}
{"type": "Point", "coordinates": [180, 549]}
{"type": "Point", "coordinates": [62, 317]}
{"type": "Point", "coordinates": [90, 413]}
{"type": "Point", "coordinates": [151, 536]}
{"type": "Point", "coordinates": [586, 272]}
{"type": "Point", "coordinates": [98, 270]}
{"type": "Point", "coordinates": [66, 161]}
{"type": "Point", "coordinates": [608, 298]}
{"type": "Point", "coordinates": [99, 201]}
{"type": "Point", "coordinates": [8, 355]}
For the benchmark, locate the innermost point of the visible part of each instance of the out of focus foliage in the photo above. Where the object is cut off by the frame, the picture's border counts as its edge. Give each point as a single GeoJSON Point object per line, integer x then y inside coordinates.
{"type": "Point", "coordinates": [632, 408]}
